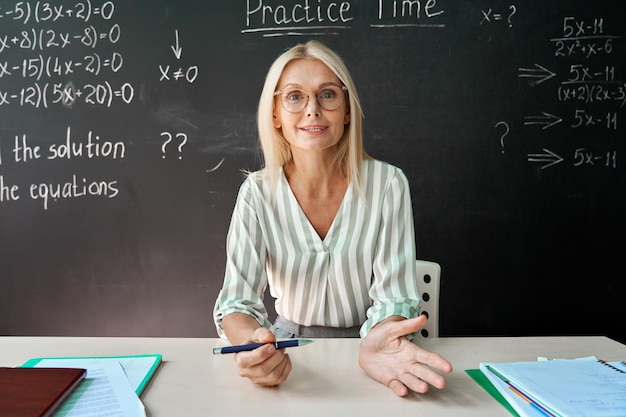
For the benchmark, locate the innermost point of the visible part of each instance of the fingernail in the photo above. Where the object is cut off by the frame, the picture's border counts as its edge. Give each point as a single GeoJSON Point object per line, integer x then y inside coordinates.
{"type": "Point", "coordinates": [271, 348]}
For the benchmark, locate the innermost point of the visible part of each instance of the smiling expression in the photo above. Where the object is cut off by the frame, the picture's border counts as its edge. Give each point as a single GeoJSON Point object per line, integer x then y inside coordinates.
{"type": "Point", "coordinates": [313, 128]}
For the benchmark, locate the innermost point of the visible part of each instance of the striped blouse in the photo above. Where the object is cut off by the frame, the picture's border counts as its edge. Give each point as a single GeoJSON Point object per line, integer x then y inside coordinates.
{"type": "Point", "coordinates": [362, 272]}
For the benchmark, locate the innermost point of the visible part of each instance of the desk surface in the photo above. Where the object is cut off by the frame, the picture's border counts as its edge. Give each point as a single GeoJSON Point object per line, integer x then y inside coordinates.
{"type": "Point", "coordinates": [325, 380]}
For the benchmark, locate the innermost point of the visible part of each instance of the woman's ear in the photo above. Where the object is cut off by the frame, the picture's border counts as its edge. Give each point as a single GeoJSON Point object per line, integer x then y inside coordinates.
{"type": "Point", "coordinates": [276, 120]}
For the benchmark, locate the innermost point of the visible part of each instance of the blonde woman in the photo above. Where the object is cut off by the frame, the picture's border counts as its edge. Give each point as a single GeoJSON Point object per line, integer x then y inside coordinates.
{"type": "Point", "coordinates": [329, 229]}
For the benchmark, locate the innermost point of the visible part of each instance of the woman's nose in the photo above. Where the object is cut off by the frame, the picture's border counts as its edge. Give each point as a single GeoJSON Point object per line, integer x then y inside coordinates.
{"type": "Point", "coordinates": [312, 105]}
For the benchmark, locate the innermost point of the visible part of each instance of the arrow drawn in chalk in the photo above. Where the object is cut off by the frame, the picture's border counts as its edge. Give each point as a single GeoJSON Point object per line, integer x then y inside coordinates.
{"type": "Point", "coordinates": [546, 119]}
{"type": "Point", "coordinates": [549, 157]}
{"type": "Point", "coordinates": [542, 74]}
{"type": "Point", "coordinates": [178, 51]}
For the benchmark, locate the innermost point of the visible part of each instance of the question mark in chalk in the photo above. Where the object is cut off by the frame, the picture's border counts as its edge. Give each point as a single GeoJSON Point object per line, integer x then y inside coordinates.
{"type": "Point", "coordinates": [183, 142]}
{"type": "Point", "coordinates": [168, 135]}
{"type": "Point", "coordinates": [169, 139]}
{"type": "Point", "coordinates": [506, 132]}
{"type": "Point", "coordinates": [513, 9]}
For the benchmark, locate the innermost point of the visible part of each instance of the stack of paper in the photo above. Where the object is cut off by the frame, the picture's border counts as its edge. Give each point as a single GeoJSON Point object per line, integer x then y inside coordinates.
{"type": "Point", "coordinates": [585, 387]}
{"type": "Point", "coordinates": [111, 387]}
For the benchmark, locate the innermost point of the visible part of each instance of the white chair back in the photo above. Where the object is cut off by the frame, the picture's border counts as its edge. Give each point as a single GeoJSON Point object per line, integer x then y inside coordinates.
{"type": "Point", "coordinates": [428, 275]}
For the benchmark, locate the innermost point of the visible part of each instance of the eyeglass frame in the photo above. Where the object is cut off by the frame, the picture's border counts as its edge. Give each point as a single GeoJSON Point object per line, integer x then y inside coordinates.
{"type": "Point", "coordinates": [308, 97]}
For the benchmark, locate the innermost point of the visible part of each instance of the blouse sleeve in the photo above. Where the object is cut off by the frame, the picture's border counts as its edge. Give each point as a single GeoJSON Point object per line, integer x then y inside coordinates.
{"type": "Point", "coordinates": [245, 277]}
{"type": "Point", "coordinates": [394, 289]}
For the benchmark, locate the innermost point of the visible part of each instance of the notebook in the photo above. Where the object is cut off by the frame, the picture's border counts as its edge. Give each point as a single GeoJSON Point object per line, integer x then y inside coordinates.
{"type": "Point", "coordinates": [36, 392]}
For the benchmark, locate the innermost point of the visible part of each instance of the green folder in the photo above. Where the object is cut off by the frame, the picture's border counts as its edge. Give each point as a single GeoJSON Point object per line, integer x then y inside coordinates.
{"type": "Point", "coordinates": [488, 386]}
{"type": "Point", "coordinates": [138, 368]}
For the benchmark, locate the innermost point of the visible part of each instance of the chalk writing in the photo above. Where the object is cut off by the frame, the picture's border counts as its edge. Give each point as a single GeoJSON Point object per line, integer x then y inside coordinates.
{"type": "Point", "coordinates": [582, 157]}
{"type": "Point", "coordinates": [49, 61]}
{"type": "Point", "coordinates": [406, 13]}
{"type": "Point", "coordinates": [73, 188]}
{"type": "Point", "coordinates": [310, 17]}
{"type": "Point", "coordinates": [586, 38]}
{"type": "Point", "coordinates": [537, 74]}
{"type": "Point", "coordinates": [592, 93]}
{"type": "Point", "coordinates": [39, 67]}
{"type": "Point", "coordinates": [92, 146]}
{"type": "Point", "coordinates": [545, 120]}
{"type": "Point", "coordinates": [49, 94]}
{"type": "Point", "coordinates": [321, 17]}
{"type": "Point", "coordinates": [506, 130]}
{"type": "Point", "coordinates": [46, 39]}
{"type": "Point", "coordinates": [547, 158]}
{"type": "Point", "coordinates": [39, 11]}
{"type": "Point", "coordinates": [178, 51]}
{"type": "Point", "coordinates": [180, 137]}
{"type": "Point", "coordinates": [8, 192]}
{"type": "Point", "coordinates": [582, 118]}
{"type": "Point", "coordinates": [584, 83]}
{"type": "Point", "coordinates": [584, 74]}
{"type": "Point", "coordinates": [491, 16]}
{"type": "Point", "coordinates": [189, 74]}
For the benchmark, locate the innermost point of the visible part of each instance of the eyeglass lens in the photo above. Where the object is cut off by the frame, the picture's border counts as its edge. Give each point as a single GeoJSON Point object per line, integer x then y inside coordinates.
{"type": "Point", "coordinates": [329, 98]}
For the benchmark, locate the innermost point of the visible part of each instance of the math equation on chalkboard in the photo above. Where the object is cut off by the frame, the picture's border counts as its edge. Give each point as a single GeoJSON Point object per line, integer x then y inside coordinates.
{"type": "Point", "coordinates": [110, 84]}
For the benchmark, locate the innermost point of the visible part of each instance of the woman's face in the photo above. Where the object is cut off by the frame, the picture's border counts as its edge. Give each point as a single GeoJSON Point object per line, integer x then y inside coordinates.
{"type": "Point", "coordinates": [314, 128]}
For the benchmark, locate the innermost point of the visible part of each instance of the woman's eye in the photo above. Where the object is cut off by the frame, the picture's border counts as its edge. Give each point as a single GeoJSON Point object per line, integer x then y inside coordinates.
{"type": "Point", "coordinates": [327, 95]}
{"type": "Point", "coordinates": [295, 96]}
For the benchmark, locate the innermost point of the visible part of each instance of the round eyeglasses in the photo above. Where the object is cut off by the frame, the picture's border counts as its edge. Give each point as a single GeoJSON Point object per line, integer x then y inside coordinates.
{"type": "Point", "coordinates": [329, 97]}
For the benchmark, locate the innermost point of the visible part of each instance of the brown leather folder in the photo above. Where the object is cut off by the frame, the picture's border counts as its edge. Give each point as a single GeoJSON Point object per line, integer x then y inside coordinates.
{"type": "Point", "coordinates": [36, 392]}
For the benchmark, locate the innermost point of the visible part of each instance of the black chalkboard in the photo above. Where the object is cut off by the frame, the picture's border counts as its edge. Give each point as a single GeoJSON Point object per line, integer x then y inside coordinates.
{"type": "Point", "coordinates": [125, 125]}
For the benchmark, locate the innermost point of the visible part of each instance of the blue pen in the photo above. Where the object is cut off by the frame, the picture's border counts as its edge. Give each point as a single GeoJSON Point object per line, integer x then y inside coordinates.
{"type": "Point", "coordinates": [243, 348]}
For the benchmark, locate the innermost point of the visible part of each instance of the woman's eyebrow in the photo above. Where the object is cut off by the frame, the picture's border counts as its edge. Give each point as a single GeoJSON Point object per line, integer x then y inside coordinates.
{"type": "Point", "coordinates": [325, 84]}
{"type": "Point", "coordinates": [292, 85]}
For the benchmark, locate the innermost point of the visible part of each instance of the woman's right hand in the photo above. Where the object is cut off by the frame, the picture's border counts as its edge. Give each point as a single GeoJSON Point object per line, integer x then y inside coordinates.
{"type": "Point", "coordinates": [266, 365]}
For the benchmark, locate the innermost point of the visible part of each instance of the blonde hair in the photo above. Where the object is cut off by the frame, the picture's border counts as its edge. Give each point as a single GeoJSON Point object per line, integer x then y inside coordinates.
{"type": "Point", "coordinates": [276, 150]}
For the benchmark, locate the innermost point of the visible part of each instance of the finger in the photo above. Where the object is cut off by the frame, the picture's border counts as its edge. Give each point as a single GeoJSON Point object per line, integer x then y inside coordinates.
{"type": "Point", "coordinates": [264, 335]}
{"type": "Point", "coordinates": [425, 375]}
{"type": "Point", "coordinates": [276, 375]}
{"type": "Point", "coordinates": [414, 383]}
{"type": "Point", "coordinates": [258, 365]}
{"type": "Point", "coordinates": [254, 357]}
{"type": "Point", "coordinates": [409, 326]}
{"type": "Point", "coordinates": [398, 388]}
{"type": "Point", "coordinates": [434, 360]}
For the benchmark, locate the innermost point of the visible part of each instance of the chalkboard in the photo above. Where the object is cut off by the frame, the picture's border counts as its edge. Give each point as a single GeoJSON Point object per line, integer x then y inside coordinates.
{"type": "Point", "coordinates": [125, 127]}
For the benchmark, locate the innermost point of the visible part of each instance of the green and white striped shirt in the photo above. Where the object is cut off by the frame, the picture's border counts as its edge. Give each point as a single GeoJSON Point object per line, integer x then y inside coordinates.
{"type": "Point", "coordinates": [362, 272]}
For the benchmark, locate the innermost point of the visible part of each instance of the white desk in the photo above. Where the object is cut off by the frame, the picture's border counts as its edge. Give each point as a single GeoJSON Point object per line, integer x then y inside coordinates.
{"type": "Point", "coordinates": [325, 381]}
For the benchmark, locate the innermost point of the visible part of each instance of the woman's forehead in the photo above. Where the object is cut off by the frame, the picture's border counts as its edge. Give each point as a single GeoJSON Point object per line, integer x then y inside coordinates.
{"type": "Point", "coordinates": [305, 72]}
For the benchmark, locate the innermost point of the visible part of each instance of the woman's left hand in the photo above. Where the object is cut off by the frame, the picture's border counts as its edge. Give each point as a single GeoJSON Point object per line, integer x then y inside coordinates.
{"type": "Point", "coordinates": [390, 358]}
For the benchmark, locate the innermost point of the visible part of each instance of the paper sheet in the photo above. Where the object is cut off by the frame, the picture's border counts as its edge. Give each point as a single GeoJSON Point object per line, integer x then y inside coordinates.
{"type": "Point", "coordinates": [105, 391]}
{"type": "Point", "coordinates": [522, 407]}
{"type": "Point", "coordinates": [138, 368]}
{"type": "Point", "coordinates": [579, 387]}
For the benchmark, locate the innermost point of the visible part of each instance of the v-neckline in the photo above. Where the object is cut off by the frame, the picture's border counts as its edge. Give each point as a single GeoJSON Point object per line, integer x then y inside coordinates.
{"type": "Point", "coordinates": [305, 219]}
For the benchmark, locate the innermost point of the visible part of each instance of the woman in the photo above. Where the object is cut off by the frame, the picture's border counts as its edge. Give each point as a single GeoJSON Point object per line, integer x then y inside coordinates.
{"type": "Point", "coordinates": [328, 228]}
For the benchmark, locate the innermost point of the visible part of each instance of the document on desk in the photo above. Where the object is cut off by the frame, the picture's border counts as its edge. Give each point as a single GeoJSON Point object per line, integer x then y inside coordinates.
{"type": "Point", "coordinates": [523, 407]}
{"type": "Point", "coordinates": [105, 391]}
{"type": "Point", "coordinates": [585, 387]}
{"type": "Point", "coordinates": [139, 369]}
